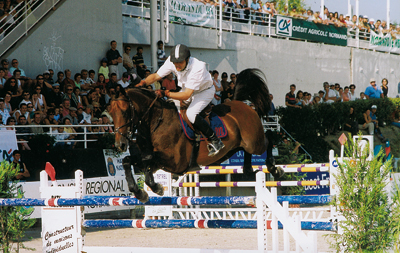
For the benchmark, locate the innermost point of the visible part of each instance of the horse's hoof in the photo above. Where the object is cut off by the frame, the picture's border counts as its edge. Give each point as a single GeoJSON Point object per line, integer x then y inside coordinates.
{"type": "Point", "coordinates": [159, 190]}
{"type": "Point", "coordinates": [142, 196]}
{"type": "Point", "coordinates": [279, 172]}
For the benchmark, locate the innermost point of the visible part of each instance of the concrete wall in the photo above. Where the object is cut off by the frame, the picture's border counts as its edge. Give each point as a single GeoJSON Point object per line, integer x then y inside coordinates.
{"type": "Point", "coordinates": [284, 62]}
{"type": "Point", "coordinates": [76, 35]}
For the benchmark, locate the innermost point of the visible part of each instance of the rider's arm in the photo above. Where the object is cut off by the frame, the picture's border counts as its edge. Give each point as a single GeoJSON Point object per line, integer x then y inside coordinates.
{"type": "Point", "coordinates": [152, 78]}
{"type": "Point", "coordinates": [183, 95]}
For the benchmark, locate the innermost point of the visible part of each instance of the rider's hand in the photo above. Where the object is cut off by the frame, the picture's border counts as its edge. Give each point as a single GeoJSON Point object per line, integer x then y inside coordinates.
{"type": "Point", "coordinates": [142, 83]}
{"type": "Point", "coordinates": [160, 93]}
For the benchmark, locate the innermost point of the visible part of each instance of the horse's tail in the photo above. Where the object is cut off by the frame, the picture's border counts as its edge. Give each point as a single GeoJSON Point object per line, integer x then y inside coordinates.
{"type": "Point", "coordinates": [251, 85]}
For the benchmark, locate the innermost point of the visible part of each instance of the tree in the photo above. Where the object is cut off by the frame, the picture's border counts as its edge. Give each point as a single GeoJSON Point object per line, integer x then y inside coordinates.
{"type": "Point", "coordinates": [298, 4]}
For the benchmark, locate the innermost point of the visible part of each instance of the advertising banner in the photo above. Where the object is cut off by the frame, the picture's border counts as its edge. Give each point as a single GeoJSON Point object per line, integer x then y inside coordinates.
{"type": "Point", "coordinates": [384, 43]}
{"type": "Point", "coordinates": [8, 144]}
{"type": "Point", "coordinates": [303, 29]}
{"type": "Point", "coordinates": [190, 12]}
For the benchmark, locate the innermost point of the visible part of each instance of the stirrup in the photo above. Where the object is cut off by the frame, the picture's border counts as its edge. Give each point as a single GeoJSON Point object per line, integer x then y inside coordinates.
{"type": "Point", "coordinates": [214, 147]}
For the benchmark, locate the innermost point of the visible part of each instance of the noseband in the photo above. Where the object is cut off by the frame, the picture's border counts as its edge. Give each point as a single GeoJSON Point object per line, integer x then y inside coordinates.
{"type": "Point", "coordinates": [132, 129]}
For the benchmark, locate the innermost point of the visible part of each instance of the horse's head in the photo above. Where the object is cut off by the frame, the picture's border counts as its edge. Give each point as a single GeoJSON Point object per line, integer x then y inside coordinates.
{"type": "Point", "coordinates": [122, 113]}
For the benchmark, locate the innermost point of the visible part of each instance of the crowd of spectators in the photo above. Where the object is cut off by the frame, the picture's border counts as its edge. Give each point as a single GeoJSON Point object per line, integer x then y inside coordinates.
{"type": "Point", "coordinates": [261, 10]}
{"type": "Point", "coordinates": [332, 93]}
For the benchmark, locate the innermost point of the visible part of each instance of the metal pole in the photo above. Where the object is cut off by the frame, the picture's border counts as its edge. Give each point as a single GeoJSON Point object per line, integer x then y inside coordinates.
{"type": "Point", "coordinates": [322, 9]}
{"type": "Point", "coordinates": [357, 9]}
{"type": "Point", "coordinates": [349, 9]}
{"type": "Point", "coordinates": [162, 20]}
{"type": "Point", "coordinates": [388, 12]}
{"type": "Point", "coordinates": [220, 25]}
{"type": "Point", "coordinates": [153, 33]}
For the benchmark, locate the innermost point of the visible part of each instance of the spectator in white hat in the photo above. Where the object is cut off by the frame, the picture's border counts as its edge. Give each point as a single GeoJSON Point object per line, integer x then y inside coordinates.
{"type": "Point", "coordinates": [373, 91]}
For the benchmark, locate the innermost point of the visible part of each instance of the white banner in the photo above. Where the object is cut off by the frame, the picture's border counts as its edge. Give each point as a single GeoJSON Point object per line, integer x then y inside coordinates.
{"type": "Point", "coordinates": [190, 12]}
{"type": "Point", "coordinates": [114, 162]}
{"type": "Point", "coordinates": [8, 144]}
{"type": "Point", "coordinates": [384, 43]}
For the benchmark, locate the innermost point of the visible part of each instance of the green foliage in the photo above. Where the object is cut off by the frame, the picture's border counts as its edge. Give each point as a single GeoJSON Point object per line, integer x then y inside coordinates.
{"type": "Point", "coordinates": [41, 143]}
{"type": "Point", "coordinates": [288, 155]}
{"type": "Point", "coordinates": [298, 4]}
{"type": "Point", "coordinates": [309, 123]}
{"type": "Point", "coordinates": [371, 221]}
{"type": "Point", "coordinates": [13, 220]}
{"type": "Point", "coordinates": [107, 141]}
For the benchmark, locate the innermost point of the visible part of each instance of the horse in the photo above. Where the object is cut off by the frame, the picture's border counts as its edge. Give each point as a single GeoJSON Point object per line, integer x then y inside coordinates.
{"type": "Point", "coordinates": [163, 144]}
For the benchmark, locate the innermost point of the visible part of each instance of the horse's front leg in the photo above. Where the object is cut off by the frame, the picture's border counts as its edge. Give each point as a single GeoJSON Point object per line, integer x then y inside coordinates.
{"type": "Point", "coordinates": [140, 194]}
{"type": "Point", "coordinates": [276, 172]}
{"type": "Point", "coordinates": [247, 167]}
{"type": "Point", "coordinates": [155, 187]}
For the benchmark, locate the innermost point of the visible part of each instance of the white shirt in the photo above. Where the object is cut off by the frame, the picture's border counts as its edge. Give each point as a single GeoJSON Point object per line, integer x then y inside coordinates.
{"type": "Point", "coordinates": [195, 76]}
{"type": "Point", "coordinates": [123, 84]}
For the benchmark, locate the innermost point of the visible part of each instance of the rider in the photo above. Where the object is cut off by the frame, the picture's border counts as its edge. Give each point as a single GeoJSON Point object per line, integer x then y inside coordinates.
{"type": "Point", "coordinates": [197, 87]}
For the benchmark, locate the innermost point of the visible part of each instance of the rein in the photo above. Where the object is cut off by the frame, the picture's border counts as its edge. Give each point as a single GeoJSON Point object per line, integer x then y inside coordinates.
{"type": "Point", "coordinates": [130, 133]}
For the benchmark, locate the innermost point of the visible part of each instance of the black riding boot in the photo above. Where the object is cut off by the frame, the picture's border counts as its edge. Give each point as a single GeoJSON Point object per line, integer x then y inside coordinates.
{"type": "Point", "coordinates": [215, 144]}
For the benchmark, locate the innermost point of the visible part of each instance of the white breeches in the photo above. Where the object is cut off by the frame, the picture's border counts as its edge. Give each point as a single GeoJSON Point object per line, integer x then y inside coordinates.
{"type": "Point", "coordinates": [199, 102]}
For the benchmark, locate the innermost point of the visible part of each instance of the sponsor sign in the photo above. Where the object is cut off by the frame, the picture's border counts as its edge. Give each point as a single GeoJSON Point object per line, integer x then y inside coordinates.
{"type": "Point", "coordinates": [384, 43]}
{"type": "Point", "coordinates": [163, 178]}
{"type": "Point", "coordinates": [302, 29]}
{"type": "Point", "coordinates": [114, 162]}
{"type": "Point", "coordinates": [317, 189]}
{"type": "Point", "coordinates": [8, 144]}
{"type": "Point", "coordinates": [238, 159]}
{"type": "Point", "coordinates": [190, 12]}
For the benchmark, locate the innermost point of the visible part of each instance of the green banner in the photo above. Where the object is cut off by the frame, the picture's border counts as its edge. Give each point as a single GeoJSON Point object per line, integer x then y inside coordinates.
{"type": "Point", "coordinates": [302, 29]}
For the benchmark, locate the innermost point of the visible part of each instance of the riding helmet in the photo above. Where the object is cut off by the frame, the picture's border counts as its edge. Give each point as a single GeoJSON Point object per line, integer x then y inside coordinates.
{"type": "Point", "coordinates": [179, 53]}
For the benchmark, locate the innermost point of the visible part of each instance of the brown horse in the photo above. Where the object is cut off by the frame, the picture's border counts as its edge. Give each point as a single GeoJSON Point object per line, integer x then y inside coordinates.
{"type": "Point", "coordinates": [163, 145]}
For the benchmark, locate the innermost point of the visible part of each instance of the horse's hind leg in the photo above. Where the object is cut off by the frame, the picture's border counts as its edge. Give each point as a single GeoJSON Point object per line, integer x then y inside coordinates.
{"type": "Point", "coordinates": [247, 167]}
{"type": "Point", "coordinates": [133, 187]}
{"type": "Point", "coordinates": [276, 172]}
{"type": "Point", "coordinates": [155, 187]}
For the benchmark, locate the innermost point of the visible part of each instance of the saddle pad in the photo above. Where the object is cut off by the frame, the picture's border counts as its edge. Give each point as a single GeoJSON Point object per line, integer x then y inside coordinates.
{"type": "Point", "coordinates": [215, 122]}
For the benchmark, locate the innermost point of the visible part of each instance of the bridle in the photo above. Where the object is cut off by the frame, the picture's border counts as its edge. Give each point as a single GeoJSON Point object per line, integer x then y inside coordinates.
{"type": "Point", "coordinates": [133, 127]}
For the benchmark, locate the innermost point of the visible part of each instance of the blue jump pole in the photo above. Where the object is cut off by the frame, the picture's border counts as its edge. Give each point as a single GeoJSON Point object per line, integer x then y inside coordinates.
{"type": "Point", "coordinates": [179, 201]}
{"type": "Point", "coordinates": [247, 224]}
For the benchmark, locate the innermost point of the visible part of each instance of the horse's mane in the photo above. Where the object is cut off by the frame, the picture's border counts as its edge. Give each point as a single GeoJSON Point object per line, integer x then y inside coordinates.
{"type": "Point", "coordinates": [251, 85]}
{"type": "Point", "coordinates": [168, 104]}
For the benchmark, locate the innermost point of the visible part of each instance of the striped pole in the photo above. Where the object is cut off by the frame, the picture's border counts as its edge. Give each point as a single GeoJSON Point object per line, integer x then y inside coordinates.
{"type": "Point", "coordinates": [177, 201]}
{"type": "Point", "coordinates": [253, 184]}
{"type": "Point", "coordinates": [240, 170]}
{"type": "Point", "coordinates": [130, 201]}
{"type": "Point", "coordinates": [248, 224]}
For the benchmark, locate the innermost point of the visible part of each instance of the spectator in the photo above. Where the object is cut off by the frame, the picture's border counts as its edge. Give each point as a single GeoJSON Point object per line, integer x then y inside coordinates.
{"type": "Point", "coordinates": [321, 95]}
{"type": "Point", "coordinates": [77, 93]}
{"type": "Point", "coordinates": [96, 110]}
{"type": "Point", "coordinates": [315, 18]}
{"type": "Point", "coordinates": [50, 120]}
{"type": "Point", "coordinates": [39, 100]}
{"type": "Point", "coordinates": [113, 81]}
{"type": "Point", "coordinates": [70, 95]}
{"type": "Point", "coordinates": [161, 56]}
{"type": "Point", "coordinates": [65, 107]}
{"type": "Point", "coordinates": [366, 122]}
{"type": "Point", "coordinates": [67, 80]}
{"type": "Point", "coordinates": [272, 111]}
{"type": "Point", "coordinates": [70, 130]}
{"type": "Point", "coordinates": [62, 138]}
{"type": "Point", "coordinates": [169, 83]}
{"type": "Point", "coordinates": [10, 123]}
{"type": "Point", "coordinates": [11, 86]}
{"type": "Point", "coordinates": [26, 98]}
{"type": "Point", "coordinates": [299, 99]}
{"type": "Point", "coordinates": [224, 81]}
{"type": "Point", "coordinates": [227, 95]}
{"type": "Point", "coordinates": [5, 64]}
{"type": "Point", "coordinates": [55, 97]}
{"type": "Point", "coordinates": [23, 139]}
{"type": "Point", "coordinates": [106, 121]}
{"type": "Point", "coordinates": [233, 78]}
{"type": "Point", "coordinates": [330, 94]}
{"type": "Point", "coordinates": [352, 93]}
{"type": "Point", "coordinates": [218, 88]}
{"type": "Point", "coordinates": [87, 114]}
{"type": "Point", "coordinates": [5, 113]}
{"type": "Point", "coordinates": [124, 80]}
{"type": "Point", "coordinates": [362, 95]}
{"type": "Point", "coordinates": [23, 110]}
{"type": "Point", "coordinates": [351, 124]}
{"type": "Point", "coordinates": [60, 78]}
{"type": "Point", "coordinates": [244, 11]}
{"type": "Point", "coordinates": [47, 78]}
{"type": "Point", "coordinates": [2, 79]}
{"type": "Point", "coordinates": [290, 98]}
{"type": "Point", "coordinates": [375, 121]}
{"type": "Point", "coordinates": [113, 58]}
{"type": "Point", "coordinates": [336, 88]}
{"type": "Point", "coordinates": [77, 81]}
{"type": "Point", "coordinates": [57, 115]}
{"type": "Point", "coordinates": [127, 61]}
{"type": "Point", "coordinates": [373, 91]}
{"type": "Point", "coordinates": [73, 117]}
{"type": "Point", "coordinates": [255, 10]}
{"type": "Point", "coordinates": [384, 87]}
{"type": "Point", "coordinates": [31, 113]}
{"type": "Point", "coordinates": [79, 114]}
{"type": "Point", "coordinates": [27, 81]}
{"type": "Point", "coordinates": [101, 81]}
{"type": "Point", "coordinates": [110, 94]}
{"type": "Point", "coordinates": [85, 82]}
{"type": "Point", "coordinates": [139, 62]}
{"type": "Point", "coordinates": [90, 98]}
{"type": "Point", "coordinates": [37, 121]}
{"type": "Point", "coordinates": [104, 69]}
{"type": "Point", "coordinates": [346, 94]}
{"type": "Point", "coordinates": [316, 100]}
{"type": "Point", "coordinates": [17, 163]}
{"type": "Point", "coordinates": [106, 112]}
